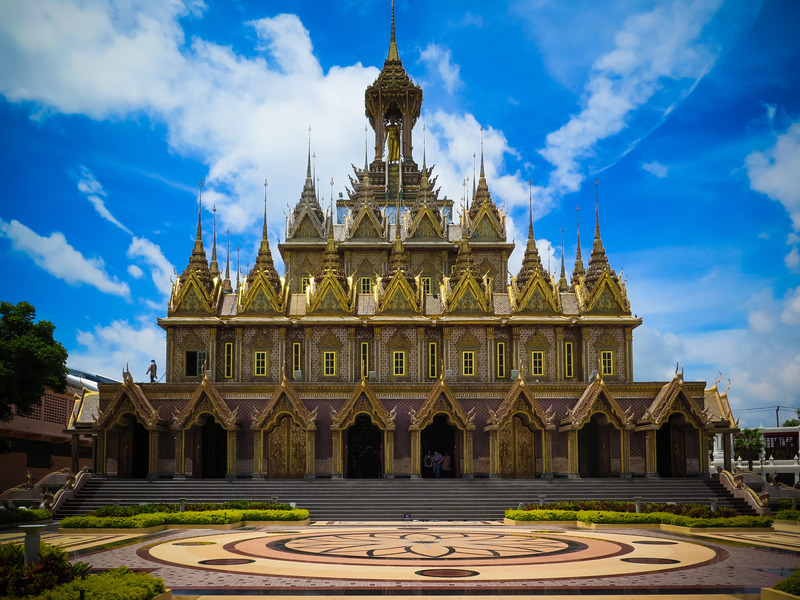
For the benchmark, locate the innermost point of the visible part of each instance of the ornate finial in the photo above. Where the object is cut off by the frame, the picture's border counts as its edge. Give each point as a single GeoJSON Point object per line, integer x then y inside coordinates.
{"type": "Point", "coordinates": [200, 212]}
{"type": "Point", "coordinates": [393, 55]}
{"type": "Point", "coordinates": [214, 265]}
{"type": "Point", "coordinates": [530, 208]}
{"type": "Point", "coordinates": [366, 149]}
{"type": "Point", "coordinates": [473, 174]}
{"type": "Point", "coordinates": [238, 269]}
{"type": "Point", "coordinates": [483, 174]}
{"type": "Point", "coordinates": [308, 168]}
{"type": "Point", "coordinates": [264, 234]}
{"type": "Point", "coordinates": [424, 147]}
{"type": "Point", "coordinates": [331, 199]}
{"type": "Point", "coordinates": [596, 208]}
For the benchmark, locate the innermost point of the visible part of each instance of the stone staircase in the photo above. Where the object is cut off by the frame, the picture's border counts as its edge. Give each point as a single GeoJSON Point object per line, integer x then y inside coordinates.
{"type": "Point", "coordinates": [393, 499]}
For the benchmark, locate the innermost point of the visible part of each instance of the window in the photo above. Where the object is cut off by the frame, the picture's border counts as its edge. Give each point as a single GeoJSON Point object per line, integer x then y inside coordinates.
{"type": "Point", "coordinates": [329, 363]}
{"type": "Point", "coordinates": [304, 283]}
{"type": "Point", "coordinates": [229, 361]}
{"type": "Point", "coordinates": [501, 359]}
{"type": "Point", "coordinates": [399, 363]}
{"type": "Point", "coordinates": [537, 363]}
{"type": "Point", "coordinates": [569, 369]}
{"type": "Point", "coordinates": [607, 362]}
{"type": "Point", "coordinates": [426, 284]}
{"type": "Point", "coordinates": [365, 285]}
{"type": "Point", "coordinates": [432, 358]}
{"type": "Point", "coordinates": [297, 364]}
{"type": "Point", "coordinates": [194, 362]}
{"type": "Point", "coordinates": [468, 363]}
{"type": "Point", "coordinates": [364, 359]}
{"type": "Point", "coordinates": [260, 363]}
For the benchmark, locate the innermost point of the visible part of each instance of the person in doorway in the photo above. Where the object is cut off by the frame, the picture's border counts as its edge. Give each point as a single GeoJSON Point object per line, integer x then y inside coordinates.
{"type": "Point", "coordinates": [446, 465]}
{"type": "Point", "coordinates": [437, 463]}
{"type": "Point", "coordinates": [152, 370]}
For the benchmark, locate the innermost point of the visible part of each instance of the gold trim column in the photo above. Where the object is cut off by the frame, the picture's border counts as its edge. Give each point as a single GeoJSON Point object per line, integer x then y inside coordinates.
{"type": "Point", "coordinates": [547, 454]}
{"type": "Point", "coordinates": [231, 472]}
{"type": "Point", "coordinates": [572, 454]}
{"type": "Point", "coordinates": [212, 353]}
{"type": "Point", "coordinates": [102, 457]}
{"type": "Point", "coordinates": [258, 453]}
{"type": "Point", "coordinates": [491, 355]}
{"type": "Point", "coordinates": [353, 364]}
{"type": "Point", "coordinates": [311, 450]}
{"type": "Point", "coordinates": [170, 348]}
{"type": "Point", "coordinates": [415, 449]}
{"type": "Point", "coordinates": [625, 453]}
{"type": "Point", "coordinates": [494, 454]}
{"type": "Point", "coordinates": [651, 460]}
{"type": "Point", "coordinates": [74, 450]}
{"type": "Point", "coordinates": [152, 467]}
{"type": "Point", "coordinates": [703, 451]}
{"type": "Point", "coordinates": [559, 354]}
{"type": "Point", "coordinates": [237, 353]}
{"type": "Point", "coordinates": [180, 451]}
{"type": "Point", "coordinates": [467, 460]}
{"type": "Point", "coordinates": [388, 443]}
{"type": "Point", "coordinates": [336, 455]}
{"type": "Point", "coordinates": [629, 353]}
{"type": "Point", "coordinates": [726, 452]}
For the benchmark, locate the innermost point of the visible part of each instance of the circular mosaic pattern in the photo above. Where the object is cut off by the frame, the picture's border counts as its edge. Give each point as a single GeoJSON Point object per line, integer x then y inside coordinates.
{"type": "Point", "coordinates": [362, 553]}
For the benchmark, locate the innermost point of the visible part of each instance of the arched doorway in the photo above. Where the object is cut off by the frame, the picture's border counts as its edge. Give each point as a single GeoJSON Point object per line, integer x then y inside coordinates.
{"type": "Point", "coordinates": [210, 458]}
{"type": "Point", "coordinates": [517, 448]}
{"type": "Point", "coordinates": [134, 449]}
{"type": "Point", "coordinates": [363, 449]}
{"type": "Point", "coordinates": [440, 435]}
{"type": "Point", "coordinates": [286, 450]}
{"type": "Point", "coordinates": [671, 446]}
{"type": "Point", "coordinates": [594, 447]}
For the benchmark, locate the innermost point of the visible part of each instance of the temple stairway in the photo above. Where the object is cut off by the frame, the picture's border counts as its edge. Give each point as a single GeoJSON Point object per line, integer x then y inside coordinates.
{"type": "Point", "coordinates": [393, 499]}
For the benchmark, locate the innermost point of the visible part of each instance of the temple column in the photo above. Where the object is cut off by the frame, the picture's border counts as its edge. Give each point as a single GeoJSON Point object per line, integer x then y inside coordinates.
{"type": "Point", "coordinates": [258, 453]}
{"type": "Point", "coordinates": [231, 471]}
{"type": "Point", "coordinates": [491, 355]}
{"type": "Point", "coordinates": [494, 454]}
{"type": "Point", "coordinates": [704, 459]}
{"type": "Point", "coordinates": [152, 467]}
{"type": "Point", "coordinates": [625, 453]}
{"type": "Point", "coordinates": [336, 454]}
{"type": "Point", "coordinates": [180, 459]}
{"type": "Point", "coordinates": [547, 454]}
{"type": "Point", "coordinates": [212, 353]}
{"type": "Point", "coordinates": [727, 452]}
{"type": "Point", "coordinates": [559, 354]}
{"type": "Point", "coordinates": [415, 450]}
{"type": "Point", "coordinates": [388, 437]}
{"type": "Point", "coordinates": [573, 471]}
{"type": "Point", "coordinates": [468, 469]}
{"type": "Point", "coordinates": [651, 459]}
{"type": "Point", "coordinates": [74, 447]}
{"type": "Point", "coordinates": [311, 449]}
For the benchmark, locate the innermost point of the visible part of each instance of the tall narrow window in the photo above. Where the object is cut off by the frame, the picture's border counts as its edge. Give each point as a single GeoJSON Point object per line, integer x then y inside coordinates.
{"type": "Point", "coordinates": [426, 284]}
{"type": "Point", "coordinates": [569, 363]}
{"type": "Point", "coordinates": [365, 286]}
{"type": "Point", "coordinates": [329, 363]}
{"type": "Point", "coordinates": [468, 363]}
{"type": "Point", "coordinates": [432, 358]}
{"type": "Point", "coordinates": [537, 363]}
{"type": "Point", "coordinates": [228, 360]}
{"type": "Point", "coordinates": [364, 359]}
{"type": "Point", "coordinates": [501, 359]}
{"type": "Point", "coordinates": [607, 361]}
{"type": "Point", "coordinates": [399, 362]}
{"type": "Point", "coordinates": [297, 353]}
{"type": "Point", "coordinates": [260, 363]}
{"type": "Point", "coordinates": [304, 283]}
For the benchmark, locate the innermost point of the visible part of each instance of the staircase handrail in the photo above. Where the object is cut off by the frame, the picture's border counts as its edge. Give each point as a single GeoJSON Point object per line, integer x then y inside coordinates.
{"type": "Point", "coordinates": [30, 492]}
{"type": "Point", "coordinates": [735, 484]}
{"type": "Point", "coordinates": [71, 487]}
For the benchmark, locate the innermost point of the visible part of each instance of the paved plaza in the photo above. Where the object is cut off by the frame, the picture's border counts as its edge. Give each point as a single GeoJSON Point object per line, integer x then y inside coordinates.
{"type": "Point", "coordinates": [452, 559]}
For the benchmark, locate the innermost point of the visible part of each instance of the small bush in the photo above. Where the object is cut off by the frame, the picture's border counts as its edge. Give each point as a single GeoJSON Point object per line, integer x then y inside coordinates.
{"type": "Point", "coordinates": [119, 584]}
{"type": "Point", "coordinates": [690, 510]}
{"type": "Point", "coordinates": [206, 517]}
{"type": "Point", "coordinates": [53, 568]}
{"type": "Point", "coordinates": [790, 585]}
{"type": "Point", "coordinates": [542, 515]}
{"type": "Point", "coordinates": [626, 518]}
{"type": "Point", "coordinates": [138, 509]}
{"type": "Point", "coordinates": [788, 515]}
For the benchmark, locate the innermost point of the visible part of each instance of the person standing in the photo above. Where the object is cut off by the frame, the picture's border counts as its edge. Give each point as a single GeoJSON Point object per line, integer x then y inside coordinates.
{"type": "Point", "coordinates": [152, 370]}
{"type": "Point", "coordinates": [437, 463]}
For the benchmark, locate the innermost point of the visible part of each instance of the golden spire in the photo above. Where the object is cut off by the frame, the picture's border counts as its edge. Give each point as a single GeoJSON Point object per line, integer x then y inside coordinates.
{"type": "Point", "coordinates": [214, 267]}
{"type": "Point", "coordinates": [531, 261]}
{"type": "Point", "coordinates": [198, 263]}
{"type": "Point", "coordinates": [264, 261]}
{"type": "Point", "coordinates": [226, 283]}
{"type": "Point", "coordinates": [578, 270]}
{"type": "Point", "coordinates": [393, 55]}
{"type": "Point", "coordinates": [598, 261]}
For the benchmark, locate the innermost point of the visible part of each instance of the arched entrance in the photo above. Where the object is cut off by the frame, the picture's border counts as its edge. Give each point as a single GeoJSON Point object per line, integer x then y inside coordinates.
{"type": "Point", "coordinates": [134, 449]}
{"type": "Point", "coordinates": [286, 450]}
{"type": "Point", "coordinates": [671, 446]}
{"type": "Point", "coordinates": [517, 448]}
{"type": "Point", "coordinates": [363, 449]}
{"type": "Point", "coordinates": [594, 447]}
{"type": "Point", "coordinates": [210, 457]}
{"type": "Point", "coordinates": [442, 436]}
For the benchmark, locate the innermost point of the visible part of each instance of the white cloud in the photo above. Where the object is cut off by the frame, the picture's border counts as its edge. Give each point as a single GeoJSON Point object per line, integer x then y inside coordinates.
{"type": "Point", "coordinates": [655, 168]}
{"type": "Point", "coordinates": [791, 311]}
{"type": "Point", "coordinates": [439, 60]}
{"type": "Point", "coordinates": [108, 349]}
{"type": "Point", "coordinates": [792, 260]}
{"type": "Point", "coordinates": [652, 53]}
{"type": "Point", "coordinates": [774, 171]}
{"type": "Point", "coordinates": [135, 272]}
{"type": "Point", "coordinates": [94, 192]}
{"type": "Point", "coordinates": [57, 257]}
{"type": "Point", "coordinates": [160, 268]}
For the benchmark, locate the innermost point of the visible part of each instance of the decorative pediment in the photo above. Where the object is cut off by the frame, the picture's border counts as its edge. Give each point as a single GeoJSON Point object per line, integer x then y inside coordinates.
{"type": "Point", "coordinates": [399, 341]}
{"type": "Point", "coordinates": [468, 296]}
{"type": "Point", "coordinates": [284, 400]}
{"type": "Point", "coordinates": [330, 342]}
{"type": "Point", "coordinates": [260, 297]}
{"type": "Point", "coordinates": [486, 226]}
{"type": "Point", "coordinates": [537, 342]}
{"type": "Point", "coordinates": [399, 297]}
{"type": "Point", "coordinates": [607, 340]}
{"type": "Point", "coordinates": [363, 400]}
{"type": "Point", "coordinates": [536, 297]}
{"type": "Point", "coordinates": [425, 225]}
{"type": "Point", "coordinates": [441, 400]}
{"type": "Point", "coordinates": [670, 399]}
{"type": "Point", "coordinates": [329, 297]}
{"type": "Point", "coordinates": [130, 399]}
{"type": "Point", "coordinates": [205, 399]}
{"type": "Point", "coordinates": [607, 297]}
{"type": "Point", "coordinates": [191, 297]}
{"type": "Point", "coordinates": [307, 226]}
{"type": "Point", "coordinates": [596, 398]}
{"type": "Point", "coordinates": [467, 341]}
{"type": "Point", "coordinates": [520, 400]}
{"type": "Point", "coordinates": [366, 224]}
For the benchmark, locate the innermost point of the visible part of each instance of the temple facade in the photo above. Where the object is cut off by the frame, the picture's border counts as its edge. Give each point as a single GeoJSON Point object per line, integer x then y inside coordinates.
{"type": "Point", "coordinates": [396, 332]}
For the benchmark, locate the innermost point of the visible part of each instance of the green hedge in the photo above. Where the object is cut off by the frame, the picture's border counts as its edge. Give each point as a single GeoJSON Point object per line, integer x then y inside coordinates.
{"type": "Point", "coordinates": [20, 515]}
{"type": "Point", "coordinates": [208, 517]}
{"type": "Point", "coordinates": [788, 515]}
{"type": "Point", "coordinates": [699, 511]}
{"type": "Point", "coordinates": [626, 518]}
{"type": "Point", "coordinates": [119, 584]}
{"type": "Point", "coordinates": [138, 509]}
{"type": "Point", "coordinates": [790, 585]}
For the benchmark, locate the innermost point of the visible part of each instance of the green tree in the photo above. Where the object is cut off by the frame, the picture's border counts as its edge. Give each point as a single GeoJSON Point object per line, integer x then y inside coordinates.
{"type": "Point", "coordinates": [749, 445]}
{"type": "Point", "coordinates": [30, 360]}
{"type": "Point", "coordinates": [793, 422]}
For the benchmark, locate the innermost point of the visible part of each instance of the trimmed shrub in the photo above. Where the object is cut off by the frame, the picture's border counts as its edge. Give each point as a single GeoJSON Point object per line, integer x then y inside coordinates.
{"type": "Point", "coordinates": [53, 568]}
{"type": "Point", "coordinates": [788, 515]}
{"type": "Point", "coordinates": [138, 509]}
{"type": "Point", "coordinates": [207, 517]}
{"type": "Point", "coordinates": [790, 585]}
{"type": "Point", "coordinates": [623, 518]}
{"type": "Point", "coordinates": [119, 584]}
{"type": "Point", "coordinates": [20, 515]}
{"type": "Point", "coordinates": [690, 510]}
{"type": "Point", "coordinates": [542, 515]}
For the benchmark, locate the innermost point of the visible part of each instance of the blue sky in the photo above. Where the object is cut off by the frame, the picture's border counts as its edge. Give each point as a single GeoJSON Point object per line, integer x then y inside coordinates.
{"type": "Point", "coordinates": [687, 112]}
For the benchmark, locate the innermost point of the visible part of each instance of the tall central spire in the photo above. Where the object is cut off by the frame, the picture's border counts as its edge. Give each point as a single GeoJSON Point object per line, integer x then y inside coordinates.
{"type": "Point", "coordinates": [393, 55]}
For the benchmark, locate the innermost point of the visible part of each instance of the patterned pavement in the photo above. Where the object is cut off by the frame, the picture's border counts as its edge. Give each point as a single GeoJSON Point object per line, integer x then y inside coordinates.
{"type": "Point", "coordinates": [452, 559]}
